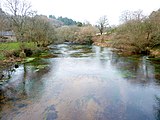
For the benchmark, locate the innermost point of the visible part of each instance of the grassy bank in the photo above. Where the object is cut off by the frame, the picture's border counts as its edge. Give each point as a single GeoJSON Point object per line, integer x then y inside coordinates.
{"type": "Point", "coordinates": [7, 49]}
{"type": "Point", "coordinates": [16, 45]}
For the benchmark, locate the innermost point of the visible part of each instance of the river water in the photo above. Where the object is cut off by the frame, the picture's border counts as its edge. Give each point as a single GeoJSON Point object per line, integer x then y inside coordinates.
{"type": "Point", "coordinates": [83, 83]}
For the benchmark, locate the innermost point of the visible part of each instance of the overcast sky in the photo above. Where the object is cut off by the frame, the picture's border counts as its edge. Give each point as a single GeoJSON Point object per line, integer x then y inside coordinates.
{"type": "Point", "coordinates": [91, 10]}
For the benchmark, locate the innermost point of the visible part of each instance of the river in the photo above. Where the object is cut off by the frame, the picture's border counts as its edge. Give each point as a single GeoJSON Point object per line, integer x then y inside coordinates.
{"type": "Point", "coordinates": [83, 83]}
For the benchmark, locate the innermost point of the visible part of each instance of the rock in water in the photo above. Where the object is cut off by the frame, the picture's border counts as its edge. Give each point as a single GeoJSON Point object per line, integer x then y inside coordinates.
{"type": "Point", "coordinates": [16, 65]}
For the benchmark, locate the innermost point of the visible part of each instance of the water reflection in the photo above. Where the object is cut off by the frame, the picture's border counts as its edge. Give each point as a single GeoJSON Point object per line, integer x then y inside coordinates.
{"type": "Point", "coordinates": [157, 72]}
{"type": "Point", "coordinates": [83, 83]}
{"type": "Point", "coordinates": [157, 108]}
{"type": "Point", "coordinates": [138, 70]}
{"type": "Point", "coordinates": [25, 83]}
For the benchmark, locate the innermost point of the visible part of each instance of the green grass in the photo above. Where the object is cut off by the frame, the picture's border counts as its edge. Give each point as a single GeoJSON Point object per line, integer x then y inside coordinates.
{"type": "Point", "coordinates": [1, 56]}
{"type": "Point", "coordinates": [15, 46]}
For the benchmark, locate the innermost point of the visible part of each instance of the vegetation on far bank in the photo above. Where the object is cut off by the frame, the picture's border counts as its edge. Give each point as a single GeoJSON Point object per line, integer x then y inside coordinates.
{"type": "Point", "coordinates": [137, 34]}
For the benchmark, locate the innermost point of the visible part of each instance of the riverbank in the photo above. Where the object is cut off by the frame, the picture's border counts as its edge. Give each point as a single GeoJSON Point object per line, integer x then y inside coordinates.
{"type": "Point", "coordinates": [126, 50]}
{"type": "Point", "coordinates": [13, 49]}
{"type": "Point", "coordinates": [17, 51]}
{"type": "Point", "coordinates": [14, 54]}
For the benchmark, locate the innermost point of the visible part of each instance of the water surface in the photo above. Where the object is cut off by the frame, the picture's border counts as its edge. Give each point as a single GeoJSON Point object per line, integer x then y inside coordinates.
{"type": "Point", "coordinates": [83, 83]}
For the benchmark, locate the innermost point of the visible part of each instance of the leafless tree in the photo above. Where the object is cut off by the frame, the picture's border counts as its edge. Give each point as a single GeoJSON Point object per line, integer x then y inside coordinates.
{"type": "Point", "coordinates": [4, 23]}
{"type": "Point", "coordinates": [19, 10]}
{"type": "Point", "coordinates": [102, 24]}
{"type": "Point", "coordinates": [130, 16]}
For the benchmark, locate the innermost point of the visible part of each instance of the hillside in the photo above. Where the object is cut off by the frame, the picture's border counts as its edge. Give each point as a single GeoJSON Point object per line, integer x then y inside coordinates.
{"type": "Point", "coordinates": [60, 21]}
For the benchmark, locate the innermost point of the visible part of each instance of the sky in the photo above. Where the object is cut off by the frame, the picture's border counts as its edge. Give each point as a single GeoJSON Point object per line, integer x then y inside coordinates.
{"type": "Point", "coordinates": [92, 10]}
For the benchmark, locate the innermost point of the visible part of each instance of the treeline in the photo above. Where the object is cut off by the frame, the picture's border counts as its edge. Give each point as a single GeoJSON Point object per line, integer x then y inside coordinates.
{"type": "Point", "coordinates": [28, 26]}
{"type": "Point", "coordinates": [64, 20]}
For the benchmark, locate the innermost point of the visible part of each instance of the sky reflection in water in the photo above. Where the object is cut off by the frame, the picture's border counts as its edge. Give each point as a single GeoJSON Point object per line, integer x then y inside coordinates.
{"type": "Point", "coordinates": [84, 83]}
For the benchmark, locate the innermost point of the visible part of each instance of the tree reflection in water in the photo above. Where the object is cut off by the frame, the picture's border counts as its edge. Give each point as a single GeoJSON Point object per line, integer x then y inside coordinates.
{"type": "Point", "coordinates": [135, 70]}
{"type": "Point", "coordinates": [24, 78]}
{"type": "Point", "coordinates": [23, 82]}
{"type": "Point", "coordinates": [157, 108]}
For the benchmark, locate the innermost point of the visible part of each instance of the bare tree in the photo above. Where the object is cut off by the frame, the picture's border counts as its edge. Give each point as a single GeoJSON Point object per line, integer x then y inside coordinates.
{"type": "Point", "coordinates": [102, 24]}
{"type": "Point", "coordinates": [19, 11]}
{"type": "Point", "coordinates": [130, 16]}
{"type": "Point", "coordinates": [4, 23]}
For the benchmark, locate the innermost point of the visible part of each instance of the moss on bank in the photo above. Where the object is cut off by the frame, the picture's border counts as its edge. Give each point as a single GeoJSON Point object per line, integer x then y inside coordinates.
{"type": "Point", "coordinates": [12, 52]}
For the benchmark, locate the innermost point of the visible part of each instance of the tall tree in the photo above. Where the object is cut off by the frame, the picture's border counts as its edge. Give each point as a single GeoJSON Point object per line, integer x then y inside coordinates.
{"type": "Point", "coordinates": [102, 24]}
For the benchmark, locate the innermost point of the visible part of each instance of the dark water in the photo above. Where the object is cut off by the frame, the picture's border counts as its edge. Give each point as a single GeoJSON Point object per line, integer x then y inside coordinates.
{"type": "Point", "coordinates": [83, 83]}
